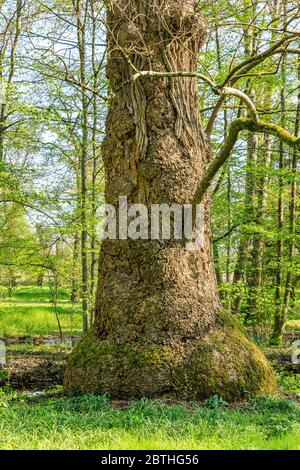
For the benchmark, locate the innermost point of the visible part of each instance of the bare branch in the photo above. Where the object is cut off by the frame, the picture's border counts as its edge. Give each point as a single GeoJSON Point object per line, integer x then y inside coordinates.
{"type": "Point", "coordinates": [254, 60]}
{"type": "Point", "coordinates": [225, 91]}
{"type": "Point", "coordinates": [73, 81]}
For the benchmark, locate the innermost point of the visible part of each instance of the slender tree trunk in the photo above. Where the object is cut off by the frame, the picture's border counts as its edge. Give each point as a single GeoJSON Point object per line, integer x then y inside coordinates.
{"type": "Point", "coordinates": [228, 247]}
{"type": "Point", "coordinates": [10, 290]}
{"type": "Point", "coordinates": [217, 265]}
{"type": "Point", "coordinates": [282, 312]}
{"type": "Point", "coordinates": [241, 263]}
{"type": "Point", "coordinates": [95, 158]}
{"type": "Point", "coordinates": [75, 287]}
{"type": "Point", "coordinates": [277, 331]}
{"type": "Point", "coordinates": [4, 100]}
{"type": "Point", "coordinates": [255, 275]}
{"type": "Point", "coordinates": [81, 27]}
{"type": "Point", "coordinates": [218, 270]}
{"type": "Point", "coordinates": [239, 276]}
{"type": "Point", "coordinates": [228, 241]}
{"type": "Point", "coordinates": [278, 320]}
{"type": "Point", "coordinates": [159, 328]}
{"type": "Point", "coordinates": [54, 284]}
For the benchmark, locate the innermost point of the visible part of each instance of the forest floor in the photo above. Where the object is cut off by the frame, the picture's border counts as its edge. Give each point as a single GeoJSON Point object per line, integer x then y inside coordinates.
{"type": "Point", "coordinates": [35, 415]}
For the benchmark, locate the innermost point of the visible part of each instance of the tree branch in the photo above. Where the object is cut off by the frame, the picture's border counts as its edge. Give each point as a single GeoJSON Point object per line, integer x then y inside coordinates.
{"type": "Point", "coordinates": [244, 67]}
{"type": "Point", "coordinates": [217, 90]}
{"type": "Point", "coordinates": [254, 60]}
{"type": "Point", "coordinates": [84, 86]}
{"type": "Point", "coordinates": [226, 234]}
{"type": "Point", "coordinates": [152, 74]}
{"type": "Point", "coordinates": [228, 91]}
{"type": "Point", "coordinates": [234, 130]}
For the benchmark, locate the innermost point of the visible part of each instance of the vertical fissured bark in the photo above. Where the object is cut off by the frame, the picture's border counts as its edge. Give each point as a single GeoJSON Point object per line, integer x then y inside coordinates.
{"type": "Point", "coordinates": [159, 326]}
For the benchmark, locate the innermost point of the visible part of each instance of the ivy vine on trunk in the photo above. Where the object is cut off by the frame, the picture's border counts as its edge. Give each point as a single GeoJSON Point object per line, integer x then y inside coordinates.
{"type": "Point", "coordinates": [160, 329]}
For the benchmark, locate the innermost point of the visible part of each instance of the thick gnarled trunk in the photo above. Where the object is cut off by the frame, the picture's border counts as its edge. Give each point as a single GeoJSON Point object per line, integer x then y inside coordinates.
{"type": "Point", "coordinates": [160, 329]}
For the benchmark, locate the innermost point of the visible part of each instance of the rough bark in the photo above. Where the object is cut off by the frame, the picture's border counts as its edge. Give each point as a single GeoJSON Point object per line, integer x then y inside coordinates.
{"type": "Point", "coordinates": [160, 329]}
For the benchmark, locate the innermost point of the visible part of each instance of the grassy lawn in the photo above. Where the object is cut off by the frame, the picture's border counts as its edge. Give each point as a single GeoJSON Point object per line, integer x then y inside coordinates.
{"type": "Point", "coordinates": [90, 422]}
{"type": "Point", "coordinates": [38, 319]}
{"type": "Point", "coordinates": [29, 313]}
{"type": "Point", "coordinates": [33, 294]}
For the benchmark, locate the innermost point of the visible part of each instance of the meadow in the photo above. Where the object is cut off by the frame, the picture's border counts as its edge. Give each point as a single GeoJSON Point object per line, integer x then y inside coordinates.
{"type": "Point", "coordinates": [29, 312]}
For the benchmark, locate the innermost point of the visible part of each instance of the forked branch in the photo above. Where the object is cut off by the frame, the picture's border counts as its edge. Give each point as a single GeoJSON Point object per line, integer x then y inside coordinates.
{"type": "Point", "coordinates": [235, 128]}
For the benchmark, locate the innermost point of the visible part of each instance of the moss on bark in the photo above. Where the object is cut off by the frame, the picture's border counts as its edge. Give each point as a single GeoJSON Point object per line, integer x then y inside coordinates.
{"type": "Point", "coordinates": [224, 362]}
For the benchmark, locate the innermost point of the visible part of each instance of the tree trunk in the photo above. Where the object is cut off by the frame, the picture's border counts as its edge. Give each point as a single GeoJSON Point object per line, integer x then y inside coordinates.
{"type": "Point", "coordinates": [292, 228]}
{"type": "Point", "coordinates": [160, 329]}
{"type": "Point", "coordinates": [5, 99]}
{"type": "Point", "coordinates": [256, 268]}
{"type": "Point", "coordinates": [95, 156]}
{"type": "Point", "coordinates": [242, 258]}
{"type": "Point", "coordinates": [81, 15]}
{"type": "Point", "coordinates": [282, 317]}
{"type": "Point", "coordinates": [279, 321]}
{"type": "Point", "coordinates": [75, 294]}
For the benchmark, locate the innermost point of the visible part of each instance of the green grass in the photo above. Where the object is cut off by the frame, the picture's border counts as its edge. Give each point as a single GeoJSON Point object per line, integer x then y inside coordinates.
{"type": "Point", "coordinates": [37, 319]}
{"type": "Point", "coordinates": [33, 294]}
{"type": "Point", "coordinates": [289, 383]}
{"type": "Point", "coordinates": [91, 422]}
{"type": "Point", "coordinates": [29, 313]}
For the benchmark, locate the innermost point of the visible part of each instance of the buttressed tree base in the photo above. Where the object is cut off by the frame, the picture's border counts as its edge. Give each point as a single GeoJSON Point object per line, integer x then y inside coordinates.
{"type": "Point", "coordinates": [160, 329]}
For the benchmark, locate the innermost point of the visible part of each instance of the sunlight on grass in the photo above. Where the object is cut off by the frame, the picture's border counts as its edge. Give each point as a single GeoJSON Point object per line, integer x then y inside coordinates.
{"type": "Point", "coordinates": [90, 422]}
{"type": "Point", "coordinates": [37, 319]}
{"type": "Point", "coordinates": [29, 312]}
{"type": "Point", "coordinates": [33, 294]}
{"type": "Point", "coordinates": [293, 325]}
